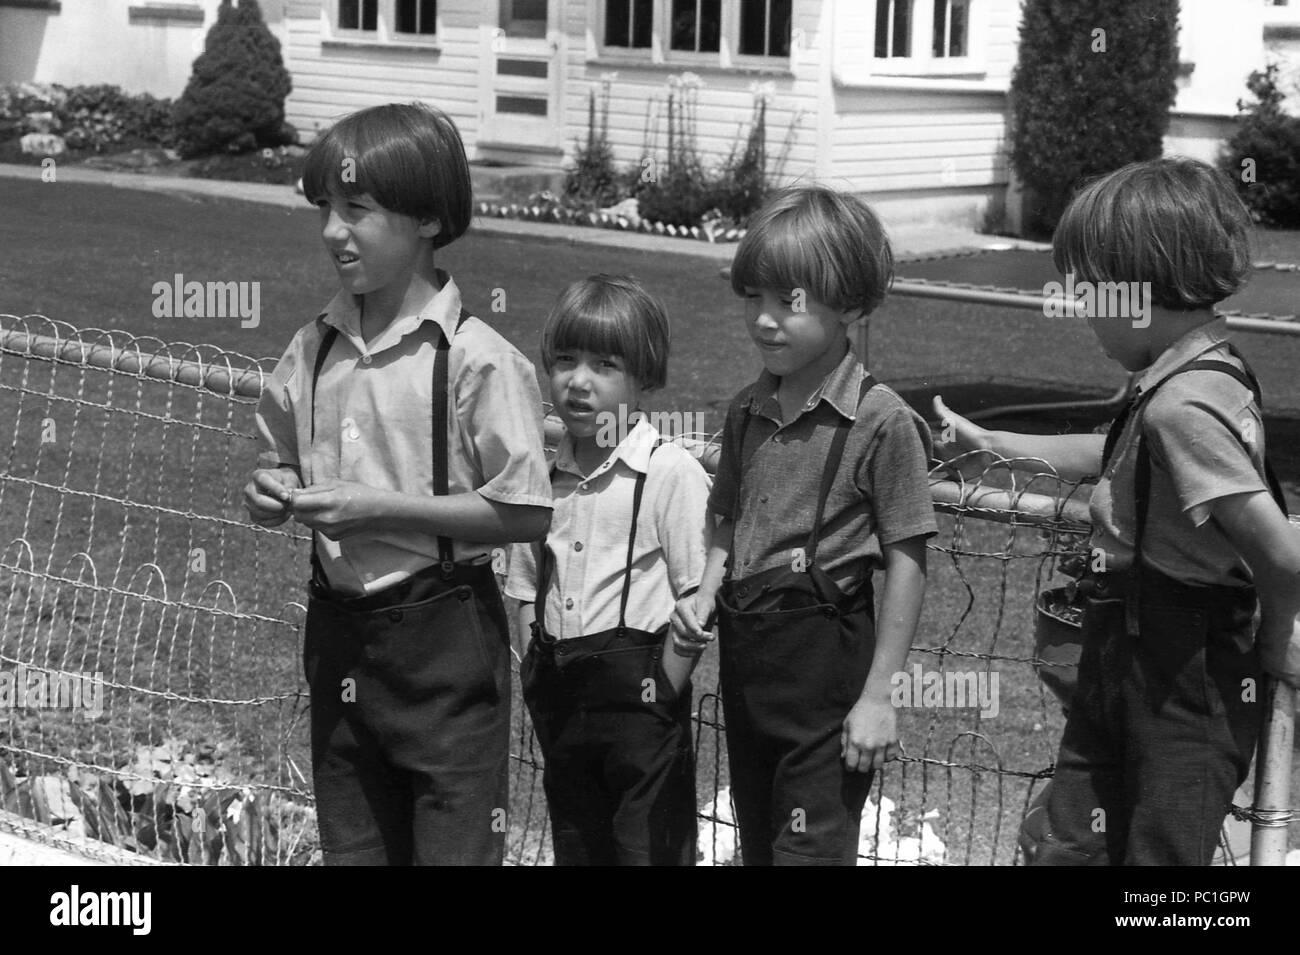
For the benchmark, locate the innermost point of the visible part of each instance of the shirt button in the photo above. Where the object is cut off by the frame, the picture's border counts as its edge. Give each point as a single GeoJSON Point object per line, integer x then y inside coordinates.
{"type": "Point", "coordinates": [568, 604]}
{"type": "Point", "coordinates": [577, 545]}
{"type": "Point", "coordinates": [365, 359]}
{"type": "Point", "coordinates": [583, 486]}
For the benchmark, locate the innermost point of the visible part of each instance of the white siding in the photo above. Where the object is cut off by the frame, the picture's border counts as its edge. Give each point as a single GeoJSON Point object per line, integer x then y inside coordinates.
{"type": "Point", "coordinates": [330, 81]}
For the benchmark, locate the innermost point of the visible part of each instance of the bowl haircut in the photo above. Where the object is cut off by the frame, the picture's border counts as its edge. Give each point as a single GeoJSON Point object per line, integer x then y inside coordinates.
{"type": "Point", "coordinates": [829, 244]}
{"type": "Point", "coordinates": [407, 156]}
{"type": "Point", "coordinates": [1176, 223]}
{"type": "Point", "coordinates": [611, 315]}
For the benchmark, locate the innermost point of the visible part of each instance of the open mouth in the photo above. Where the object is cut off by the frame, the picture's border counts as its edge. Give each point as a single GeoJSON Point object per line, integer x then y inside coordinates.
{"type": "Point", "coordinates": [577, 407]}
{"type": "Point", "coordinates": [346, 258]}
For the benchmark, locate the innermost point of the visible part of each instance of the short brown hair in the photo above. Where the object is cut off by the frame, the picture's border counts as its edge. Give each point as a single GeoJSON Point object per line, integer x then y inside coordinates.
{"type": "Point", "coordinates": [611, 315]}
{"type": "Point", "coordinates": [828, 243]}
{"type": "Point", "coordinates": [407, 156]}
{"type": "Point", "coordinates": [1176, 223]}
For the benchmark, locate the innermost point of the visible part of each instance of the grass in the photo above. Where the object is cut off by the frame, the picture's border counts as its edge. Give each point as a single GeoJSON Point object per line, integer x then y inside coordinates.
{"type": "Point", "coordinates": [90, 255]}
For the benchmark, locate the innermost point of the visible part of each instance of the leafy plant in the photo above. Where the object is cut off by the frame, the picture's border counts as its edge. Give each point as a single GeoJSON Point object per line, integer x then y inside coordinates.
{"type": "Point", "coordinates": [1262, 157]}
{"type": "Point", "coordinates": [593, 181]}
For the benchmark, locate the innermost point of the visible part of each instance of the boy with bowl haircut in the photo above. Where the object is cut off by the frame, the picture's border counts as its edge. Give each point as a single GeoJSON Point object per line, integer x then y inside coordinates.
{"type": "Point", "coordinates": [407, 435]}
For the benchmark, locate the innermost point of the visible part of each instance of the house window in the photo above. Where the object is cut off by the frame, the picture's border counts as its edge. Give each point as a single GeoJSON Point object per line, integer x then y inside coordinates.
{"type": "Point", "coordinates": [628, 23]}
{"type": "Point", "coordinates": [696, 25]}
{"type": "Point", "coordinates": [951, 21]}
{"type": "Point", "coordinates": [358, 14]}
{"type": "Point", "coordinates": [893, 28]}
{"type": "Point", "coordinates": [765, 27]}
{"type": "Point", "coordinates": [417, 16]}
{"type": "Point", "coordinates": [388, 20]}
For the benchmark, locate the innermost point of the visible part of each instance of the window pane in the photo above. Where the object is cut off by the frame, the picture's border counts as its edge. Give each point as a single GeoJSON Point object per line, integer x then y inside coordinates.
{"type": "Point", "coordinates": [406, 16]}
{"type": "Point", "coordinates": [710, 25]}
{"type": "Point", "coordinates": [642, 22]}
{"type": "Point", "coordinates": [683, 25]}
{"type": "Point", "coordinates": [902, 39]}
{"type": "Point", "coordinates": [370, 14]}
{"type": "Point", "coordinates": [617, 22]}
{"type": "Point", "coordinates": [882, 28]}
{"type": "Point", "coordinates": [778, 28]}
{"type": "Point", "coordinates": [523, 18]}
{"type": "Point", "coordinates": [753, 24]}
{"type": "Point", "coordinates": [348, 14]}
{"type": "Point", "coordinates": [938, 47]}
{"type": "Point", "coordinates": [957, 45]}
{"type": "Point", "coordinates": [526, 105]}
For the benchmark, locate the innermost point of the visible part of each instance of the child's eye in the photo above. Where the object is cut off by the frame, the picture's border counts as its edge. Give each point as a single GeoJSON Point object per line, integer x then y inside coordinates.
{"type": "Point", "coordinates": [610, 363]}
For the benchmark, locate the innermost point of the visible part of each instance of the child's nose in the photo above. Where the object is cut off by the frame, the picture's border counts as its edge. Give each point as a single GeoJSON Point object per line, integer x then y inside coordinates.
{"type": "Point", "coordinates": [332, 228]}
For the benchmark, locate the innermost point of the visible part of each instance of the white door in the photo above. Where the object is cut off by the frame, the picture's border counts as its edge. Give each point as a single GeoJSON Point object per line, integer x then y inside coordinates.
{"type": "Point", "coordinates": [521, 78]}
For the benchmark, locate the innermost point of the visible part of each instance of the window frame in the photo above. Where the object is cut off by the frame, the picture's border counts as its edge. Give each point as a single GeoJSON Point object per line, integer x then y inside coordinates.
{"type": "Point", "coordinates": [660, 52]}
{"type": "Point", "coordinates": [385, 32]}
{"type": "Point", "coordinates": [920, 60]}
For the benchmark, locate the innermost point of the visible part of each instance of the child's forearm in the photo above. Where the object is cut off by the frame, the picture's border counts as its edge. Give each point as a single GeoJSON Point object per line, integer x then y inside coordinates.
{"type": "Point", "coordinates": [900, 611]}
{"type": "Point", "coordinates": [715, 566]}
{"type": "Point", "coordinates": [467, 516]}
{"type": "Point", "coordinates": [1074, 456]}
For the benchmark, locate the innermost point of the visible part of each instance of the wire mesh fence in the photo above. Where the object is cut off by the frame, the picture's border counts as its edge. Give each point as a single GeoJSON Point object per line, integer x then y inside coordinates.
{"type": "Point", "coordinates": [150, 640]}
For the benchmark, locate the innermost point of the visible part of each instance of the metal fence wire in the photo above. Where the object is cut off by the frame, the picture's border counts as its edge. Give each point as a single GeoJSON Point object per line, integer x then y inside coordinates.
{"type": "Point", "coordinates": [151, 687]}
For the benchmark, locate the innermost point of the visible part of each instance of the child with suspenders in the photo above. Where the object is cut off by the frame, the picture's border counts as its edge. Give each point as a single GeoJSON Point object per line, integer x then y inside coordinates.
{"type": "Point", "coordinates": [1190, 533]}
{"type": "Point", "coordinates": [607, 686]}
{"type": "Point", "coordinates": [823, 479]}
{"type": "Point", "coordinates": [406, 648]}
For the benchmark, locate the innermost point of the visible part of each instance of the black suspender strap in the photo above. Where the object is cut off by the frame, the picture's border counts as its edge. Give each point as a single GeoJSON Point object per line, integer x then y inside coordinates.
{"type": "Point", "coordinates": [544, 571]}
{"type": "Point", "coordinates": [446, 555]}
{"type": "Point", "coordinates": [833, 459]}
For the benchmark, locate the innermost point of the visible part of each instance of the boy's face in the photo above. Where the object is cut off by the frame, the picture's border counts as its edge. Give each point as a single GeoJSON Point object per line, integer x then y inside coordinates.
{"type": "Point", "coordinates": [372, 248]}
{"type": "Point", "coordinates": [587, 390]}
{"type": "Point", "coordinates": [792, 331]}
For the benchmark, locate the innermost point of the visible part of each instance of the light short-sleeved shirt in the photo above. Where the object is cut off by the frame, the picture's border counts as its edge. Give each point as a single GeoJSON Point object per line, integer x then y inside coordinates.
{"type": "Point", "coordinates": [589, 536]}
{"type": "Point", "coordinates": [1205, 437]}
{"type": "Point", "coordinates": [768, 483]}
{"type": "Point", "coordinates": [374, 425]}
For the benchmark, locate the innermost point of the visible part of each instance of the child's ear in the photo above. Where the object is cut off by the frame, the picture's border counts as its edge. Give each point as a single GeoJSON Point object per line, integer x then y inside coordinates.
{"type": "Point", "coordinates": [429, 228]}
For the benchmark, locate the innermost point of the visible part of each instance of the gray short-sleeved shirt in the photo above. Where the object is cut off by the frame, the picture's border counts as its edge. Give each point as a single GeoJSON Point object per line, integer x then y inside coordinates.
{"type": "Point", "coordinates": [768, 482]}
{"type": "Point", "coordinates": [1205, 436]}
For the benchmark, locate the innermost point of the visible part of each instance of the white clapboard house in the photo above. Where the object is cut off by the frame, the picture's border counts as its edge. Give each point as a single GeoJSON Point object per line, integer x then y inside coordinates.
{"type": "Point", "coordinates": [901, 100]}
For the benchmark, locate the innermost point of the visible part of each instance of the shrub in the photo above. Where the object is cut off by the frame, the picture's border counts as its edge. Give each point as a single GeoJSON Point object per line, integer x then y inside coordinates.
{"type": "Point", "coordinates": [235, 97]}
{"type": "Point", "coordinates": [88, 117]}
{"type": "Point", "coordinates": [593, 181]}
{"type": "Point", "coordinates": [1091, 92]}
{"type": "Point", "coordinates": [679, 190]}
{"type": "Point", "coordinates": [1263, 156]}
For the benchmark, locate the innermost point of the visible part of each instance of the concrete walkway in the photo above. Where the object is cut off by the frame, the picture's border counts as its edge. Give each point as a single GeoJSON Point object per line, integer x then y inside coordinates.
{"type": "Point", "coordinates": [910, 240]}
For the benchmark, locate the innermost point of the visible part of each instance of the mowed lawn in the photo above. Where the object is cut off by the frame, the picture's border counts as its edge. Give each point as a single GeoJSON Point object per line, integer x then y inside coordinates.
{"type": "Point", "coordinates": [90, 256]}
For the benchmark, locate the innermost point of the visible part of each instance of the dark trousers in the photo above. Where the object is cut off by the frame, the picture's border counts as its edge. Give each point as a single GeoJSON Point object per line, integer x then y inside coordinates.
{"type": "Point", "coordinates": [410, 721]}
{"type": "Point", "coordinates": [1161, 730]}
{"type": "Point", "coordinates": [790, 673]}
{"type": "Point", "coordinates": [619, 768]}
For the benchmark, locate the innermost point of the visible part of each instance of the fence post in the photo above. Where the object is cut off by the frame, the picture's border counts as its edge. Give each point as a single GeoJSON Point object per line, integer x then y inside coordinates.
{"type": "Point", "coordinates": [1268, 837]}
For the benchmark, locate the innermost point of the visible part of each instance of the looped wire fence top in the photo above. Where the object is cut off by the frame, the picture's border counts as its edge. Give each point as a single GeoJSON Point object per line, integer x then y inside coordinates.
{"type": "Point", "coordinates": [156, 634]}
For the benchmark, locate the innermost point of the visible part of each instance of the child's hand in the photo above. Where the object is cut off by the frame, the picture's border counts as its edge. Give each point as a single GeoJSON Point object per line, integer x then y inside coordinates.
{"type": "Point", "coordinates": [267, 495]}
{"type": "Point", "coordinates": [688, 620]}
{"type": "Point", "coordinates": [337, 509]}
{"type": "Point", "coordinates": [957, 435]}
{"type": "Point", "coordinates": [869, 736]}
{"type": "Point", "coordinates": [1279, 653]}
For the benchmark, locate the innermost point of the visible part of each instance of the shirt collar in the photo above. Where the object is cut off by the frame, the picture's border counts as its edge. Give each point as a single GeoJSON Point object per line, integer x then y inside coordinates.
{"type": "Point", "coordinates": [344, 313]}
{"type": "Point", "coordinates": [634, 451]}
{"type": "Point", "coordinates": [1196, 342]}
{"type": "Point", "coordinates": [840, 388]}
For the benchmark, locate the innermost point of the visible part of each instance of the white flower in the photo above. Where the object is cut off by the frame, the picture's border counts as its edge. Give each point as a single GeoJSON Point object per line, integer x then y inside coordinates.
{"type": "Point", "coordinates": [763, 90]}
